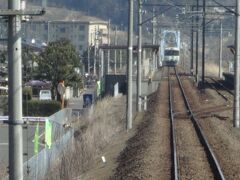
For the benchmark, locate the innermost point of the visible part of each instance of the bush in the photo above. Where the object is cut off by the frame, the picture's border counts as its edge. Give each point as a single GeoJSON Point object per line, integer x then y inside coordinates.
{"type": "Point", "coordinates": [3, 104]}
{"type": "Point", "coordinates": [40, 108]}
{"type": "Point", "coordinates": [27, 93]}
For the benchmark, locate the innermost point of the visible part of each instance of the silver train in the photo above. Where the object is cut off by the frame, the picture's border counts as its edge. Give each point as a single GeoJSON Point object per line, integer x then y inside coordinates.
{"type": "Point", "coordinates": [171, 56]}
{"type": "Point", "coordinates": [169, 48]}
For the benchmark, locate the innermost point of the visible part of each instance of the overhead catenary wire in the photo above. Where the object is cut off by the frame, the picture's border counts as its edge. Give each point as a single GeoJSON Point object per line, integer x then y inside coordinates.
{"type": "Point", "coordinates": [225, 7]}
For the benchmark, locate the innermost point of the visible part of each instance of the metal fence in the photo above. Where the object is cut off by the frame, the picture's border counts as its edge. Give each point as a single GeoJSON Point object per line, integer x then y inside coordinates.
{"type": "Point", "coordinates": [38, 166]}
{"type": "Point", "coordinates": [62, 135]}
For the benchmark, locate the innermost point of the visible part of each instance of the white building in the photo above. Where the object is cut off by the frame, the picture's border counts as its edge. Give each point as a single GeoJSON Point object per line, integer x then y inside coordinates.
{"type": "Point", "coordinates": [82, 34]}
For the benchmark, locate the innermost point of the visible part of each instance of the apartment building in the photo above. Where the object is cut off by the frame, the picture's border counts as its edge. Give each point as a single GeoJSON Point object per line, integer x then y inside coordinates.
{"type": "Point", "coordinates": [82, 34]}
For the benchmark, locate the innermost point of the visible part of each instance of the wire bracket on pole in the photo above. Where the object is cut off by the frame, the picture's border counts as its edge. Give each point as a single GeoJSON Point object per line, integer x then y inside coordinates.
{"type": "Point", "coordinates": [19, 122]}
{"type": "Point", "coordinates": [12, 12]}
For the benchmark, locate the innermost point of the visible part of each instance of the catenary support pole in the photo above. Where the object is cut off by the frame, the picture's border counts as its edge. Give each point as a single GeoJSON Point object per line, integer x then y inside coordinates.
{"type": "Point", "coordinates": [191, 64]}
{"type": "Point", "coordinates": [139, 62]}
{"type": "Point", "coordinates": [129, 66]}
{"type": "Point", "coordinates": [203, 43]}
{"type": "Point", "coordinates": [220, 51]}
{"type": "Point", "coordinates": [154, 21]}
{"type": "Point", "coordinates": [237, 70]}
{"type": "Point", "coordinates": [15, 94]}
{"type": "Point", "coordinates": [115, 51]}
{"type": "Point", "coordinates": [197, 22]}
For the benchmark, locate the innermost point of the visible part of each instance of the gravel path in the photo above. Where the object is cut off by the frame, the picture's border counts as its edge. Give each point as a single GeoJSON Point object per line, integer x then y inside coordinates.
{"type": "Point", "coordinates": [148, 154]}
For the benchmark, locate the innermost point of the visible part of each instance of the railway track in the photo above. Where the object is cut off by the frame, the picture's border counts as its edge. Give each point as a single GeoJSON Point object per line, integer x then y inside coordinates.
{"type": "Point", "coordinates": [192, 155]}
{"type": "Point", "coordinates": [224, 87]}
{"type": "Point", "coordinates": [220, 88]}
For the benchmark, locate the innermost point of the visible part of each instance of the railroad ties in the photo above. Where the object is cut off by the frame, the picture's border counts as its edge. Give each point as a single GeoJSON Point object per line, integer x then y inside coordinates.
{"type": "Point", "coordinates": [192, 156]}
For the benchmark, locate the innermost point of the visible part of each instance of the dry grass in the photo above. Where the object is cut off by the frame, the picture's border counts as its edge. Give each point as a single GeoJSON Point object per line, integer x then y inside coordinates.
{"type": "Point", "coordinates": [95, 131]}
{"type": "Point", "coordinates": [3, 169]}
{"type": "Point", "coordinates": [212, 69]}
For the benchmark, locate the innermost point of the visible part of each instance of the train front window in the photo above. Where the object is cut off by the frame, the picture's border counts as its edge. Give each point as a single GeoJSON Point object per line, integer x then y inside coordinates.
{"type": "Point", "coordinates": [171, 53]}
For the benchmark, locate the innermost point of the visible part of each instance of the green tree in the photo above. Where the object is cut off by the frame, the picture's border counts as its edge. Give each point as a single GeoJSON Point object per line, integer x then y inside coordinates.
{"type": "Point", "coordinates": [3, 57]}
{"type": "Point", "coordinates": [57, 62]}
{"type": "Point", "coordinates": [3, 66]}
{"type": "Point", "coordinates": [28, 60]}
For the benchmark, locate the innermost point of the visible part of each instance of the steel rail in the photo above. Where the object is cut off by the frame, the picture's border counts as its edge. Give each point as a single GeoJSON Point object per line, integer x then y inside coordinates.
{"type": "Point", "coordinates": [211, 157]}
{"type": "Point", "coordinates": [173, 134]}
{"type": "Point", "coordinates": [218, 92]}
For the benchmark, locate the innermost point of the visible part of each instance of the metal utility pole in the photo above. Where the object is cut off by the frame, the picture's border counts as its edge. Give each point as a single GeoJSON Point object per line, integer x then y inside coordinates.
{"type": "Point", "coordinates": [15, 93]}
{"type": "Point", "coordinates": [191, 64]}
{"type": "Point", "coordinates": [197, 21]}
{"type": "Point", "coordinates": [203, 43]}
{"type": "Point", "coordinates": [108, 51]}
{"type": "Point", "coordinates": [139, 62]}
{"type": "Point", "coordinates": [220, 51]}
{"type": "Point", "coordinates": [129, 66]}
{"type": "Point", "coordinates": [237, 66]}
{"type": "Point", "coordinates": [115, 51]}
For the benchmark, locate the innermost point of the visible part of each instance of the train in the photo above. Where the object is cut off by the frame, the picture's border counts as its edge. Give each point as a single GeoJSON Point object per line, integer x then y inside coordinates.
{"type": "Point", "coordinates": [169, 48]}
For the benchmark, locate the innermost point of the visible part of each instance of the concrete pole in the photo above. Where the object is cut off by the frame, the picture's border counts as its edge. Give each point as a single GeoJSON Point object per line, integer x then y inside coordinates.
{"type": "Point", "coordinates": [139, 62]}
{"type": "Point", "coordinates": [44, 3]}
{"type": "Point", "coordinates": [99, 63]}
{"type": "Point", "coordinates": [88, 53]}
{"type": "Point", "coordinates": [191, 64]}
{"type": "Point", "coordinates": [88, 58]}
{"type": "Point", "coordinates": [237, 66]}
{"type": "Point", "coordinates": [154, 59]}
{"type": "Point", "coordinates": [220, 51]}
{"type": "Point", "coordinates": [129, 67]}
{"type": "Point", "coordinates": [153, 28]}
{"type": "Point", "coordinates": [153, 38]}
{"type": "Point", "coordinates": [102, 62]}
{"type": "Point", "coordinates": [15, 94]}
{"type": "Point", "coordinates": [144, 59]}
{"type": "Point", "coordinates": [48, 29]}
{"type": "Point", "coordinates": [203, 43]}
{"type": "Point", "coordinates": [197, 21]}
{"type": "Point", "coordinates": [95, 53]}
{"type": "Point", "coordinates": [145, 103]}
{"type": "Point", "coordinates": [94, 60]}
{"type": "Point", "coordinates": [108, 51]}
{"type": "Point", "coordinates": [144, 53]}
{"type": "Point", "coordinates": [115, 52]}
{"type": "Point", "coordinates": [120, 59]}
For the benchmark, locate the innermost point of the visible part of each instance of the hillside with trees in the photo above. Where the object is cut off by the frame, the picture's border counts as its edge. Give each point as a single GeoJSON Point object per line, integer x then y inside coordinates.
{"type": "Point", "coordinates": [117, 10]}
